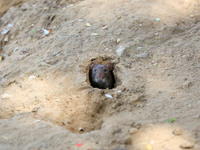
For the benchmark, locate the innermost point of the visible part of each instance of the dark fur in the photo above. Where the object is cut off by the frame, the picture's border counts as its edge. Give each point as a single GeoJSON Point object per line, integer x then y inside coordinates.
{"type": "Point", "coordinates": [101, 76]}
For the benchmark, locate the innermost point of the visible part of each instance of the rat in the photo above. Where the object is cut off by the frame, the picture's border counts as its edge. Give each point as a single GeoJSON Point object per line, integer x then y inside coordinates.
{"type": "Point", "coordinates": [101, 75]}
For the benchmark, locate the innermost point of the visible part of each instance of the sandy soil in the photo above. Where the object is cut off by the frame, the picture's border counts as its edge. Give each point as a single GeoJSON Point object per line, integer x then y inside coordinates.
{"type": "Point", "coordinates": [45, 94]}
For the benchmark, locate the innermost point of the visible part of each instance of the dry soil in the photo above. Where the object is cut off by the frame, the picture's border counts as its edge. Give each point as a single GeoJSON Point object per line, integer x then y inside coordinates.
{"type": "Point", "coordinates": [46, 101]}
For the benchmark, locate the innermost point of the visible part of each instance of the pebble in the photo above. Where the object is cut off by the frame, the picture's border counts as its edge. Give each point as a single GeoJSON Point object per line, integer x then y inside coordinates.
{"type": "Point", "coordinates": [142, 55]}
{"type": "Point", "coordinates": [119, 91]}
{"type": "Point", "coordinates": [187, 85]}
{"type": "Point", "coordinates": [108, 95]}
{"type": "Point", "coordinates": [81, 129]}
{"type": "Point", "coordinates": [120, 50]}
{"type": "Point", "coordinates": [177, 131]}
{"type": "Point", "coordinates": [133, 130]}
{"type": "Point", "coordinates": [95, 34]}
{"type": "Point", "coordinates": [4, 96]}
{"type": "Point", "coordinates": [32, 77]}
{"type": "Point", "coordinates": [187, 145]}
{"type": "Point", "coordinates": [105, 27]}
{"type": "Point", "coordinates": [1, 58]}
{"type": "Point", "coordinates": [118, 40]}
{"type": "Point", "coordinates": [80, 20]}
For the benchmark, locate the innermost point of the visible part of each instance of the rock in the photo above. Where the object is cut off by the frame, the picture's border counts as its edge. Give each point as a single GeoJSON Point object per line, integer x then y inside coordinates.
{"type": "Point", "coordinates": [134, 98]}
{"type": "Point", "coordinates": [32, 77]}
{"type": "Point", "coordinates": [6, 96]}
{"type": "Point", "coordinates": [118, 40]}
{"type": "Point", "coordinates": [108, 95]}
{"type": "Point", "coordinates": [120, 50]}
{"type": "Point", "coordinates": [81, 129]}
{"type": "Point", "coordinates": [80, 20]}
{"type": "Point", "coordinates": [133, 130]}
{"type": "Point", "coordinates": [177, 131]}
{"type": "Point", "coordinates": [142, 55]}
{"type": "Point", "coordinates": [187, 145]}
{"type": "Point", "coordinates": [187, 85]}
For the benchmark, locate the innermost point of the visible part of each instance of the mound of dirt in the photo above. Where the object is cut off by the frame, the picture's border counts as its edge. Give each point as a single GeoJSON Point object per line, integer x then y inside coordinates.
{"type": "Point", "coordinates": [46, 98]}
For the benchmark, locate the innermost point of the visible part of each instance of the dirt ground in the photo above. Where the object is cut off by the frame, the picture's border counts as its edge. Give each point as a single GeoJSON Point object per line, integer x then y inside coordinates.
{"type": "Point", "coordinates": [46, 98]}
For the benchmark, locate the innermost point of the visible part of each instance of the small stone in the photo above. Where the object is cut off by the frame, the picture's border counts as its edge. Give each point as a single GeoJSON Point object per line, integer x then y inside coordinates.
{"type": "Point", "coordinates": [187, 85]}
{"type": "Point", "coordinates": [118, 40]}
{"type": "Point", "coordinates": [81, 129]}
{"type": "Point", "coordinates": [6, 96]}
{"type": "Point", "coordinates": [87, 24]}
{"type": "Point", "coordinates": [32, 77]}
{"type": "Point", "coordinates": [142, 55]}
{"type": "Point", "coordinates": [134, 98]}
{"type": "Point", "coordinates": [80, 20]}
{"type": "Point", "coordinates": [187, 145]}
{"type": "Point", "coordinates": [105, 27]}
{"type": "Point", "coordinates": [95, 34]}
{"type": "Point", "coordinates": [192, 16]}
{"type": "Point", "coordinates": [133, 130]}
{"type": "Point", "coordinates": [120, 50]}
{"type": "Point", "coordinates": [108, 95]}
{"type": "Point", "coordinates": [5, 138]}
{"type": "Point", "coordinates": [177, 131]}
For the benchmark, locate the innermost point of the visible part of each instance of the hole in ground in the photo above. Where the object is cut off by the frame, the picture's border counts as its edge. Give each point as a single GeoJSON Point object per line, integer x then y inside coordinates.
{"type": "Point", "coordinates": [100, 73]}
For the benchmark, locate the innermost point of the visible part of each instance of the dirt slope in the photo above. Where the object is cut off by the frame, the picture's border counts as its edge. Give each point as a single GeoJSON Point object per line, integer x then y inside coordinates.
{"type": "Point", "coordinates": [45, 94]}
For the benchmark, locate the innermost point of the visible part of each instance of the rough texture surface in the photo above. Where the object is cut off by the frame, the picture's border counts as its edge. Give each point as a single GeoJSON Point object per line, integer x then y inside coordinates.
{"type": "Point", "coordinates": [44, 91]}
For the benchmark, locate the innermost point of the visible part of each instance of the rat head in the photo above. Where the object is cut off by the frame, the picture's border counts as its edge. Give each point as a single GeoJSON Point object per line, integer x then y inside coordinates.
{"type": "Point", "coordinates": [101, 73]}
